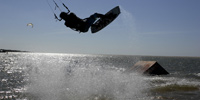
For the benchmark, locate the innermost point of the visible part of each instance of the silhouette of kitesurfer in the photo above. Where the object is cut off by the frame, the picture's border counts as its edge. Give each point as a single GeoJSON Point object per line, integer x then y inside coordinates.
{"type": "Point", "coordinates": [78, 24]}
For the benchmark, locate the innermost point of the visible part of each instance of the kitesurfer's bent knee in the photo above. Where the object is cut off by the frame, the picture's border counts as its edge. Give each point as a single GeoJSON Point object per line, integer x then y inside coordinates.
{"type": "Point", "coordinates": [91, 20]}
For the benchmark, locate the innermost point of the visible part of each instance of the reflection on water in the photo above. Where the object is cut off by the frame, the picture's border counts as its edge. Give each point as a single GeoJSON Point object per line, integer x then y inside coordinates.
{"type": "Point", "coordinates": [37, 76]}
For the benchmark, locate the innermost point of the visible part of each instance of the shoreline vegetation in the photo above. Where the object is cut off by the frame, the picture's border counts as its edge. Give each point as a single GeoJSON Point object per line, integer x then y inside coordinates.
{"type": "Point", "coordinates": [8, 50]}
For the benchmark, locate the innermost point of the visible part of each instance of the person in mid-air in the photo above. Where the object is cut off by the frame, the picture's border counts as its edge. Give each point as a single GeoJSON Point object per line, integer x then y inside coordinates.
{"type": "Point", "coordinates": [77, 24]}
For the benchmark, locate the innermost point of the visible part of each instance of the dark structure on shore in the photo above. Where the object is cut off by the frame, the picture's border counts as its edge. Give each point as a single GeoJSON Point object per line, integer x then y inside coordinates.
{"type": "Point", "coordinates": [7, 50]}
{"type": "Point", "coordinates": [148, 67]}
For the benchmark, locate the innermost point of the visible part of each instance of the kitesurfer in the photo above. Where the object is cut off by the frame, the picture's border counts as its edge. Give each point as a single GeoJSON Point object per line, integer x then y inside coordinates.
{"type": "Point", "coordinates": [78, 24]}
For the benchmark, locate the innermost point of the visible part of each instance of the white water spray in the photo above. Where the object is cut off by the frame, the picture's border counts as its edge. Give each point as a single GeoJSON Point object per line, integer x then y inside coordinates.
{"type": "Point", "coordinates": [59, 79]}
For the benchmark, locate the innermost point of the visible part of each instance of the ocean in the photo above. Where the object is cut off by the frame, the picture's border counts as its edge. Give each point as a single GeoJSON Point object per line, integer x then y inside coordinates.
{"type": "Point", "coordinates": [49, 76]}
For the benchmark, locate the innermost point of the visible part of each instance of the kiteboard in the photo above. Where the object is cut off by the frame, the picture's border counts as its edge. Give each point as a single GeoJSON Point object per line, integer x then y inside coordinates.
{"type": "Point", "coordinates": [103, 22]}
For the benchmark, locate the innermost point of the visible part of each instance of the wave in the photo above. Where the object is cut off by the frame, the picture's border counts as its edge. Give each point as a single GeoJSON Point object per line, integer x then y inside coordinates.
{"type": "Point", "coordinates": [175, 87]}
{"type": "Point", "coordinates": [197, 74]}
{"type": "Point", "coordinates": [173, 84]}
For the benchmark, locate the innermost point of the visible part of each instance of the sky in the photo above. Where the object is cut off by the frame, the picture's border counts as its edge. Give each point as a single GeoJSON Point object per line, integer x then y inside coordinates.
{"type": "Point", "coordinates": [144, 27]}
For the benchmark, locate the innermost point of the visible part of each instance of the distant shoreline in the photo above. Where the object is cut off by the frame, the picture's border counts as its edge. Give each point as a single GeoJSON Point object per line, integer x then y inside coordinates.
{"type": "Point", "coordinates": [8, 50]}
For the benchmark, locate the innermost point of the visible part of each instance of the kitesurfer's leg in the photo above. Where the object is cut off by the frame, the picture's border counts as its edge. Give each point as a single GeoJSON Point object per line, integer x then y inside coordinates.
{"type": "Point", "coordinates": [92, 19]}
{"type": "Point", "coordinates": [98, 15]}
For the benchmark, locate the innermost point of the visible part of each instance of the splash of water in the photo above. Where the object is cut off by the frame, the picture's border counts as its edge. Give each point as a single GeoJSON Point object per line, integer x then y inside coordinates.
{"type": "Point", "coordinates": [60, 79]}
{"type": "Point", "coordinates": [128, 19]}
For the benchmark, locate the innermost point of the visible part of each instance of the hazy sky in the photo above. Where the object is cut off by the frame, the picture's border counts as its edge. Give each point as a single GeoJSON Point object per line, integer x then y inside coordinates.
{"type": "Point", "coordinates": [145, 27]}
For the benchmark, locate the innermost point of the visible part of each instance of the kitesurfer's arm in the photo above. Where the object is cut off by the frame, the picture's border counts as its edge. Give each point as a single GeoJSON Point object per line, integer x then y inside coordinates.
{"type": "Point", "coordinates": [57, 18]}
